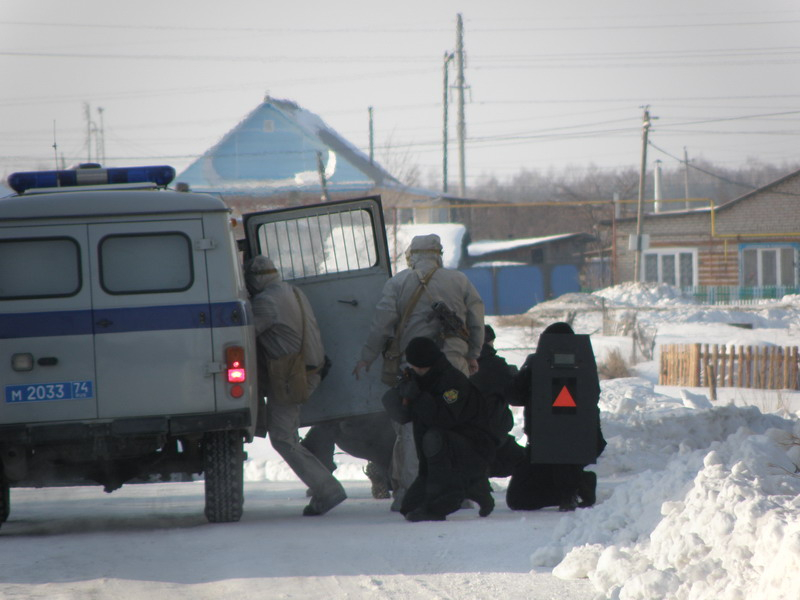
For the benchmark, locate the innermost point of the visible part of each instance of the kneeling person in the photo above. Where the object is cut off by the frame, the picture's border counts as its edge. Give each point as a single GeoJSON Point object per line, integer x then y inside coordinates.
{"type": "Point", "coordinates": [451, 433]}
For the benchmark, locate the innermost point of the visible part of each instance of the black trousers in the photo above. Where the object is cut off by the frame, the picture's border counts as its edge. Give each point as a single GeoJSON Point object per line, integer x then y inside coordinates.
{"type": "Point", "coordinates": [451, 469]}
{"type": "Point", "coordinates": [535, 486]}
{"type": "Point", "coordinates": [508, 455]}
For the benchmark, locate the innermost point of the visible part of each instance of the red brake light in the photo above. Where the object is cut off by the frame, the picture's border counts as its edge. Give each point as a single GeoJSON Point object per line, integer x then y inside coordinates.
{"type": "Point", "coordinates": [234, 359]}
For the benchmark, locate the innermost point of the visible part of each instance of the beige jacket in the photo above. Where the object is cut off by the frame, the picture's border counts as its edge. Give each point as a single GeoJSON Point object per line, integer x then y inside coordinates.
{"type": "Point", "coordinates": [277, 315]}
{"type": "Point", "coordinates": [447, 285]}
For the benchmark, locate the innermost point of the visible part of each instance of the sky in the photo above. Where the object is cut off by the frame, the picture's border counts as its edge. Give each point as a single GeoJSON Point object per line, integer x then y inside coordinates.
{"type": "Point", "coordinates": [551, 84]}
{"type": "Point", "coordinates": [696, 501]}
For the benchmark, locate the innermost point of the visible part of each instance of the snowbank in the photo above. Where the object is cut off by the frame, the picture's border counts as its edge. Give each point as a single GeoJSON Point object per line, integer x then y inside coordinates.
{"type": "Point", "coordinates": [704, 503]}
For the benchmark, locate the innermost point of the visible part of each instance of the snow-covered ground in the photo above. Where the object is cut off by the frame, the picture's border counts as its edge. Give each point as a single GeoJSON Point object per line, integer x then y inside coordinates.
{"type": "Point", "coordinates": [694, 502]}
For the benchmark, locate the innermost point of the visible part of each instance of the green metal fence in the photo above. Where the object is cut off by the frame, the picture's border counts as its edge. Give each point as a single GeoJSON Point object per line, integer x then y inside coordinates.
{"type": "Point", "coordinates": [735, 294]}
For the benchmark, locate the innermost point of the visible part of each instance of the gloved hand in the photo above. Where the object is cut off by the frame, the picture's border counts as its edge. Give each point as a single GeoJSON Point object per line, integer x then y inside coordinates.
{"type": "Point", "coordinates": [408, 388]}
{"type": "Point", "coordinates": [528, 364]}
{"type": "Point", "coordinates": [395, 407]}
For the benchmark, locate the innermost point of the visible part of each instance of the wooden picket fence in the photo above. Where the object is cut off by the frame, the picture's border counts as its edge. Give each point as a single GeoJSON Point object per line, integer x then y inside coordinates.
{"type": "Point", "coordinates": [712, 365]}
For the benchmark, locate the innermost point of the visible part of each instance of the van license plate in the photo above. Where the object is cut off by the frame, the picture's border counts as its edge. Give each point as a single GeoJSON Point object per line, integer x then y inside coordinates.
{"type": "Point", "coordinates": [41, 392]}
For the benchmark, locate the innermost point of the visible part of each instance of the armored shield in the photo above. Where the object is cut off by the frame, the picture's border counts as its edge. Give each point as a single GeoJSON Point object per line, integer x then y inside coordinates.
{"type": "Point", "coordinates": [563, 418]}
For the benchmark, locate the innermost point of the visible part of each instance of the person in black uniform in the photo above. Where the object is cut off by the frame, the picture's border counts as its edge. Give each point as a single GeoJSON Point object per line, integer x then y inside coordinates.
{"type": "Point", "coordinates": [496, 379]}
{"type": "Point", "coordinates": [567, 486]}
{"type": "Point", "coordinates": [452, 434]}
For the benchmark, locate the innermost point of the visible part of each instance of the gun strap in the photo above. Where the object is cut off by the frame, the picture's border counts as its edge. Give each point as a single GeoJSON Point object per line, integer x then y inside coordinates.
{"type": "Point", "coordinates": [423, 282]}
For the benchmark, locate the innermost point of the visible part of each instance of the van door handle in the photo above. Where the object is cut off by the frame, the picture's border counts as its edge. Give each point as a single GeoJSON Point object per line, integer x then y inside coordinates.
{"type": "Point", "coordinates": [351, 302]}
{"type": "Point", "coordinates": [105, 323]}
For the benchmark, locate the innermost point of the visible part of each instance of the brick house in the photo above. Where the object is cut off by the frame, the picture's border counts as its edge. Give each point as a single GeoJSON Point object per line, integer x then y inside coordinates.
{"type": "Point", "coordinates": [752, 241]}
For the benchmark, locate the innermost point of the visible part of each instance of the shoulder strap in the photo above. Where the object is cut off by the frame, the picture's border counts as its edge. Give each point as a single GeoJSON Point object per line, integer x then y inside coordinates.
{"type": "Point", "coordinates": [302, 318]}
{"type": "Point", "coordinates": [423, 282]}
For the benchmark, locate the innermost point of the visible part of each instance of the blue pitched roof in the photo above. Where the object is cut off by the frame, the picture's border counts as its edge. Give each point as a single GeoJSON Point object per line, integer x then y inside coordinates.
{"type": "Point", "coordinates": [276, 148]}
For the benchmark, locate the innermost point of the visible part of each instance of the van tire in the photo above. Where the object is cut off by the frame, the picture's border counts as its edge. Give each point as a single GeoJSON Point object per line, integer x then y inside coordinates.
{"type": "Point", "coordinates": [223, 463]}
{"type": "Point", "coordinates": [5, 497]}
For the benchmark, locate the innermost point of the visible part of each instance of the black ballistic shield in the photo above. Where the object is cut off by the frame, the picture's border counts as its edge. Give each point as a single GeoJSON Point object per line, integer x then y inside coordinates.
{"type": "Point", "coordinates": [563, 419]}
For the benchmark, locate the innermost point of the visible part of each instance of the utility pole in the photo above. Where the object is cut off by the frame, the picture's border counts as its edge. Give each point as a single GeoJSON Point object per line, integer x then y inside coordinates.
{"type": "Point", "coordinates": [55, 144]}
{"type": "Point", "coordinates": [448, 56]}
{"type": "Point", "coordinates": [88, 114]}
{"type": "Point", "coordinates": [322, 180]}
{"type": "Point", "coordinates": [462, 177]}
{"type": "Point", "coordinates": [642, 172]}
{"type": "Point", "coordinates": [371, 139]}
{"type": "Point", "coordinates": [101, 143]}
{"type": "Point", "coordinates": [657, 191]}
{"type": "Point", "coordinates": [686, 177]}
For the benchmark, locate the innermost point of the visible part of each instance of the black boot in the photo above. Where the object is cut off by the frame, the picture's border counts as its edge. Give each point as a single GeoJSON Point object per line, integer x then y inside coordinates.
{"type": "Point", "coordinates": [379, 480]}
{"type": "Point", "coordinates": [568, 504]}
{"type": "Point", "coordinates": [421, 514]}
{"type": "Point", "coordinates": [587, 489]}
{"type": "Point", "coordinates": [481, 492]}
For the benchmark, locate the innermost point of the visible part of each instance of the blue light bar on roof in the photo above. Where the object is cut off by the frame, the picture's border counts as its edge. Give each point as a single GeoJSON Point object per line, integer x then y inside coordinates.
{"type": "Point", "coordinates": [160, 175]}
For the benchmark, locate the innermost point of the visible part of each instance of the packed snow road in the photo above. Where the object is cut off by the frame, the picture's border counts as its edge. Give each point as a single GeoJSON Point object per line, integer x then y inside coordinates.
{"type": "Point", "coordinates": [153, 541]}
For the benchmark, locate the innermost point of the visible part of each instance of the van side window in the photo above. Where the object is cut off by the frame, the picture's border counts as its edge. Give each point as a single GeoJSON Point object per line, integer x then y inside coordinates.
{"type": "Point", "coordinates": [146, 263]}
{"type": "Point", "coordinates": [39, 268]}
{"type": "Point", "coordinates": [335, 242]}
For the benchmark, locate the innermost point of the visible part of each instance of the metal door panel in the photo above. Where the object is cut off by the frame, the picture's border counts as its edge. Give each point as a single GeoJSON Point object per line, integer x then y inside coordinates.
{"type": "Point", "coordinates": [153, 345]}
{"type": "Point", "coordinates": [54, 329]}
{"type": "Point", "coordinates": [336, 253]}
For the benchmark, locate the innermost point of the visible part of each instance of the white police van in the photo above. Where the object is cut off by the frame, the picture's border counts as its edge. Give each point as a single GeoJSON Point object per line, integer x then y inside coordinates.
{"type": "Point", "coordinates": [126, 338]}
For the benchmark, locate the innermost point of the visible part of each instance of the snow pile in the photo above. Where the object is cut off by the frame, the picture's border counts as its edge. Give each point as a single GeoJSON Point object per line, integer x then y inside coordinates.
{"type": "Point", "coordinates": [705, 503]}
{"type": "Point", "coordinates": [644, 294]}
{"type": "Point", "coordinates": [569, 301]}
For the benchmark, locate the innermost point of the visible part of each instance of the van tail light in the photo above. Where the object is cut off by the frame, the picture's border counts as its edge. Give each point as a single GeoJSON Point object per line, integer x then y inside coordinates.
{"type": "Point", "coordinates": [234, 359]}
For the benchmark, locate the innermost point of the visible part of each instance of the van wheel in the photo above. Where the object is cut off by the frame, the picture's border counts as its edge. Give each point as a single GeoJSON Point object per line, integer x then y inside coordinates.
{"type": "Point", "coordinates": [223, 463]}
{"type": "Point", "coordinates": [5, 498]}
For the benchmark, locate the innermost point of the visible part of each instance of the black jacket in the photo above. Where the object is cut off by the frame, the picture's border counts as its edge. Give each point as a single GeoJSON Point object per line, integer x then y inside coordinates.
{"type": "Point", "coordinates": [449, 401]}
{"type": "Point", "coordinates": [495, 380]}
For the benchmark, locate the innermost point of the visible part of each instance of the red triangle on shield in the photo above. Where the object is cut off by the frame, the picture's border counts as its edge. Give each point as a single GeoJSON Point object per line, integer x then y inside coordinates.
{"type": "Point", "coordinates": [564, 399]}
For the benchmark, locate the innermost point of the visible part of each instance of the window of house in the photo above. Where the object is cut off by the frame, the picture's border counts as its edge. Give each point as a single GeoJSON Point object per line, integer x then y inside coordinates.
{"type": "Point", "coordinates": [769, 266]}
{"type": "Point", "coordinates": [674, 266]}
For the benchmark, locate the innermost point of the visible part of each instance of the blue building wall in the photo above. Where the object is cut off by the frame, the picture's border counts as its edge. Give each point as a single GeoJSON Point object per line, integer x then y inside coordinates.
{"type": "Point", "coordinates": [513, 290]}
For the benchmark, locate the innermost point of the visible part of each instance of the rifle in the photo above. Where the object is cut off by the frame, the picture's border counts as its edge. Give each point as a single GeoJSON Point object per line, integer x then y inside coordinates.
{"type": "Point", "coordinates": [452, 324]}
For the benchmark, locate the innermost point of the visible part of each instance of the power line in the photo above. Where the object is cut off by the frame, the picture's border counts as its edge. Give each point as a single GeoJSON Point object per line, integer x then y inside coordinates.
{"type": "Point", "coordinates": [707, 172]}
{"type": "Point", "coordinates": [365, 58]}
{"type": "Point", "coordinates": [406, 29]}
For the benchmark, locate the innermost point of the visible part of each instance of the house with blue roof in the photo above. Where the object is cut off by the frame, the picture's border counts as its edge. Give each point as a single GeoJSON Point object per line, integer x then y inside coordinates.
{"type": "Point", "coordinates": [281, 149]}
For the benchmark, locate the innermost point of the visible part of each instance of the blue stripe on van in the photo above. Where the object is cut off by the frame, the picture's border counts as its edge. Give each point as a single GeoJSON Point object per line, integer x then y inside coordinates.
{"type": "Point", "coordinates": [22, 325]}
{"type": "Point", "coordinates": [119, 320]}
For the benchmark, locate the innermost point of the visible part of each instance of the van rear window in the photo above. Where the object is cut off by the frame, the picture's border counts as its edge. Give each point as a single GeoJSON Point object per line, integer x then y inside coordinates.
{"type": "Point", "coordinates": [325, 244]}
{"type": "Point", "coordinates": [146, 263]}
{"type": "Point", "coordinates": [39, 268]}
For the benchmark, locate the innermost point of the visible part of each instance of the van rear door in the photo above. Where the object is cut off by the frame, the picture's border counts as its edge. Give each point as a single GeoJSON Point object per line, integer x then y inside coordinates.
{"type": "Point", "coordinates": [47, 368]}
{"type": "Point", "coordinates": [337, 253]}
{"type": "Point", "coordinates": [151, 318]}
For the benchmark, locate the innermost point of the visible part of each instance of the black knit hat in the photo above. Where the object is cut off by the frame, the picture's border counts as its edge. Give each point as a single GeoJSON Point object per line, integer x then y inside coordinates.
{"type": "Point", "coordinates": [559, 327]}
{"type": "Point", "coordinates": [422, 352]}
{"type": "Point", "coordinates": [488, 334]}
